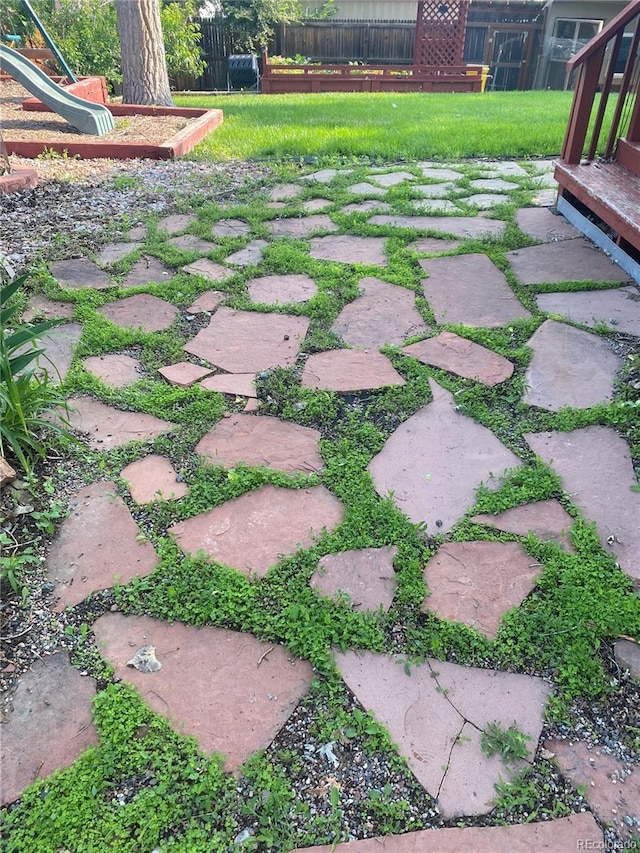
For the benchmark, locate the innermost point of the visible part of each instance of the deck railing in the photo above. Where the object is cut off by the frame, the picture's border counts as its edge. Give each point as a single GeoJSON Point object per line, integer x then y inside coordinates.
{"type": "Point", "coordinates": [608, 64]}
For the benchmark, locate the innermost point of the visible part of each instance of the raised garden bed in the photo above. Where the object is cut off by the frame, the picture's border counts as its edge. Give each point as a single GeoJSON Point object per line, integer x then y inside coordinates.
{"type": "Point", "coordinates": [280, 79]}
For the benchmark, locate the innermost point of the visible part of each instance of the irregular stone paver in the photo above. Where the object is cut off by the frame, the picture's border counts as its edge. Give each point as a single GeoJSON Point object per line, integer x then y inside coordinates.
{"type": "Point", "coordinates": [500, 167]}
{"type": "Point", "coordinates": [544, 225]}
{"type": "Point", "coordinates": [435, 205]}
{"type": "Point", "coordinates": [619, 309]}
{"type": "Point", "coordinates": [276, 205]}
{"type": "Point", "coordinates": [349, 370]}
{"type": "Point", "coordinates": [441, 174]}
{"type": "Point", "coordinates": [77, 273]}
{"type": "Point", "coordinates": [153, 478]}
{"type": "Point", "coordinates": [573, 260]}
{"type": "Point", "coordinates": [545, 198]}
{"type": "Point", "coordinates": [106, 427]}
{"type": "Point", "coordinates": [366, 206]}
{"type": "Point", "coordinates": [434, 190]}
{"type": "Point", "coordinates": [470, 289]}
{"type": "Point", "coordinates": [49, 724]}
{"type": "Point", "coordinates": [258, 441]}
{"type": "Point", "coordinates": [349, 250]}
{"type": "Point", "coordinates": [138, 232]}
{"type": "Point", "coordinates": [366, 576]}
{"type": "Point", "coordinates": [391, 179]}
{"type": "Point", "coordinates": [97, 545]}
{"type": "Point", "coordinates": [611, 787]}
{"type": "Point", "coordinates": [477, 582]}
{"type": "Point", "coordinates": [114, 369]}
{"type": "Point", "coordinates": [41, 308]}
{"type": "Point", "coordinates": [548, 520]}
{"type": "Point", "coordinates": [184, 374]}
{"type": "Point", "coordinates": [367, 189]}
{"type": "Point", "coordinates": [145, 271]}
{"type": "Point", "coordinates": [315, 204]}
{"type": "Point", "coordinates": [230, 228]}
{"type": "Point", "coordinates": [143, 311]}
{"type": "Point", "coordinates": [485, 201]}
{"type": "Point", "coordinates": [251, 254]}
{"type": "Point", "coordinates": [302, 226]}
{"type": "Point", "coordinates": [569, 367]}
{"type": "Point", "coordinates": [383, 314]}
{"type": "Point", "coordinates": [176, 222]}
{"type": "Point", "coordinates": [191, 243]}
{"type": "Point", "coordinates": [115, 252]}
{"type": "Point", "coordinates": [240, 384]}
{"type": "Point", "coordinates": [563, 834]}
{"type": "Point", "coordinates": [325, 176]}
{"type": "Point", "coordinates": [497, 185]}
{"type": "Point", "coordinates": [627, 655]}
{"type": "Point", "coordinates": [248, 342]}
{"type": "Point", "coordinates": [436, 715]}
{"type": "Point", "coordinates": [282, 192]}
{"type": "Point", "coordinates": [226, 688]}
{"type": "Point", "coordinates": [460, 226]}
{"type": "Point", "coordinates": [58, 345]}
{"type": "Point", "coordinates": [463, 357]}
{"type": "Point", "coordinates": [435, 460]}
{"type": "Point", "coordinates": [253, 532]}
{"type": "Point", "coordinates": [432, 245]}
{"type": "Point", "coordinates": [596, 470]}
{"type": "Point", "coordinates": [208, 301]}
{"type": "Point", "coordinates": [209, 269]}
{"type": "Point", "coordinates": [282, 289]}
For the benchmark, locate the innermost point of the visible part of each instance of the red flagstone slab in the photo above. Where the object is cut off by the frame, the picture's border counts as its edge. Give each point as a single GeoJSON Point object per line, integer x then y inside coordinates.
{"type": "Point", "coordinates": [209, 270]}
{"type": "Point", "coordinates": [548, 520]}
{"type": "Point", "coordinates": [115, 252]}
{"type": "Point", "coordinates": [145, 271]}
{"type": "Point", "coordinates": [253, 406]}
{"type": "Point", "coordinates": [434, 461]}
{"type": "Point", "coordinates": [597, 471]}
{"type": "Point", "coordinates": [253, 532]}
{"type": "Point", "coordinates": [240, 384]}
{"type": "Point", "coordinates": [49, 724]}
{"type": "Point", "coordinates": [248, 342]}
{"type": "Point", "coordinates": [315, 204]}
{"type": "Point", "coordinates": [107, 427]}
{"type": "Point", "coordinates": [58, 345]}
{"type": "Point", "coordinates": [349, 370]}
{"type": "Point", "coordinates": [564, 835]}
{"type": "Point", "coordinates": [184, 374]}
{"type": "Point", "coordinates": [471, 290]}
{"type": "Point", "coordinates": [462, 357]}
{"type": "Point", "coordinates": [349, 250]}
{"type": "Point", "coordinates": [431, 245]}
{"type": "Point", "coordinates": [260, 441]}
{"type": "Point", "coordinates": [46, 309]}
{"type": "Point", "coordinates": [230, 228]}
{"type": "Point", "coordinates": [435, 715]}
{"type": "Point", "coordinates": [477, 582]}
{"type": "Point", "coordinates": [142, 311]}
{"type": "Point", "coordinates": [302, 226]}
{"type": "Point", "coordinates": [542, 224]}
{"type": "Point", "coordinates": [627, 656]}
{"type": "Point", "coordinates": [571, 260]}
{"type": "Point", "coordinates": [384, 314]}
{"type": "Point", "coordinates": [208, 301]}
{"type": "Point", "coordinates": [619, 309]}
{"type": "Point", "coordinates": [569, 367]}
{"type": "Point", "coordinates": [460, 226]}
{"type": "Point", "coordinates": [176, 222]}
{"type": "Point", "coordinates": [227, 689]}
{"type": "Point", "coordinates": [191, 243]}
{"type": "Point", "coordinates": [113, 369]}
{"type": "Point", "coordinates": [78, 273]}
{"type": "Point", "coordinates": [251, 254]}
{"type": "Point", "coordinates": [153, 478]}
{"type": "Point", "coordinates": [366, 576]}
{"type": "Point", "coordinates": [611, 787]}
{"type": "Point", "coordinates": [282, 289]}
{"type": "Point", "coordinates": [96, 546]}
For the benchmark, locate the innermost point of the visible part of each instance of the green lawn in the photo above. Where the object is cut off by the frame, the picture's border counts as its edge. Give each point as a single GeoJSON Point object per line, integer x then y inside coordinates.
{"type": "Point", "coordinates": [388, 126]}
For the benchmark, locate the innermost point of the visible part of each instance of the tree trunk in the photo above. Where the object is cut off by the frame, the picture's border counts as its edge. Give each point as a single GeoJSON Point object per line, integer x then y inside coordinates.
{"type": "Point", "coordinates": [144, 67]}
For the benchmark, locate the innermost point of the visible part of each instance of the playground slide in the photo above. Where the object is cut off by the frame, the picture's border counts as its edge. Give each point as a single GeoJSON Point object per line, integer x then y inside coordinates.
{"type": "Point", "coordinates": [86, 116]}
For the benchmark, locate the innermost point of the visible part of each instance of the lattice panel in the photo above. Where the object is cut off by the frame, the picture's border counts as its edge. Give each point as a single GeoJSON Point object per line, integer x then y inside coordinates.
{"type": "Point", "coordinates": [440, 29]}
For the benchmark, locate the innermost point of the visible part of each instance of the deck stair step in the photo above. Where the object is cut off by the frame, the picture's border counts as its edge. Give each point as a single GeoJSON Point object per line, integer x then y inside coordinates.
{"type": "Point", "coordinates": [629, 156]}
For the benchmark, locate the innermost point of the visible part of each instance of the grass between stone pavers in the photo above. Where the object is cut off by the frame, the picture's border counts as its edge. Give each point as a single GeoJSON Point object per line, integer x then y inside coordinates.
{"type": "Point", "coordinates": [146, 787]}
{"type": "Point", "coordinates": [385, 126]}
